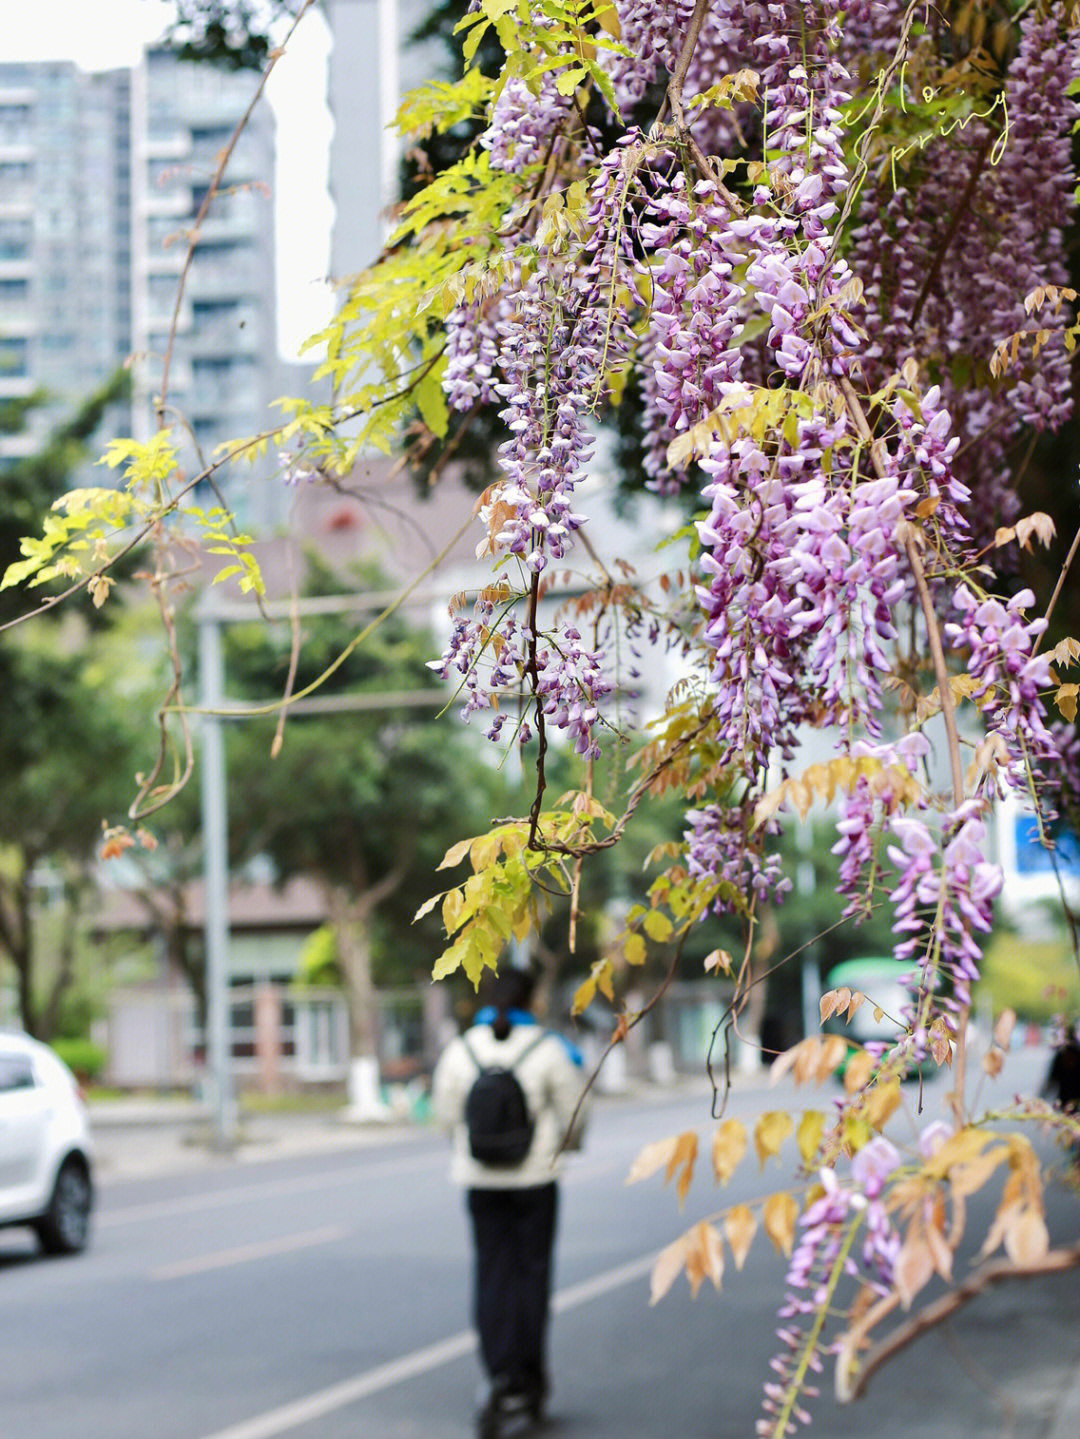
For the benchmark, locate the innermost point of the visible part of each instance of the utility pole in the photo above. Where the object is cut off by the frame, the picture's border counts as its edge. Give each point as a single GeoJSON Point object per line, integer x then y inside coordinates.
{"type": "Point", "coordinates": [216, 882]}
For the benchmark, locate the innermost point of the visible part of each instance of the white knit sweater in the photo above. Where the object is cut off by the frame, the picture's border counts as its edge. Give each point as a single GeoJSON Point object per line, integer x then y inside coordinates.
{"type": "Point", "coordinates": [552, 1084]}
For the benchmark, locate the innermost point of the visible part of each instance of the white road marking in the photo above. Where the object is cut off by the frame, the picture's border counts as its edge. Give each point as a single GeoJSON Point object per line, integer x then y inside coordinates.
{"type": "Point", "coordinates": [245, 1194]}
{"type": "Point", "coordinates": [409, 1366]}
{"type": "Point", "coordinates": [244, 1253]}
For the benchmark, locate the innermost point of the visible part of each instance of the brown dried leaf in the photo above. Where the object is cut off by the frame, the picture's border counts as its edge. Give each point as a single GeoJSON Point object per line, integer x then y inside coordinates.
{"type": "Point", "coordinates": [704, 1256]}
{"type": "Point", "coordinates": [786, 1061]}
{"type": "Point", "coordinates": [1026, 1237]}
{"type": "Point", "coordinates": [833, 1053]}
{"type": "Point", "coordinates": [718, 960]}
{"type": "Point", "coordinates": [858, 1072]}
{"type": "Point", "coordinates": [940, 1254]}
{"type": "Point", "coordinates": [882, 1102]}
{"type": "Point", "coordinates": [1003, 1029]}
{"type": "Point", "coordinates": [669, 1265]}
{"type": "Point", "coordinates": [970, 1176]}
{"type": "Point", "coordinates": [740, 1226]}
{"type": "Point", "coordinates": [940, 1042]}
{"type": "Point", "coordinates": [652, 1158]}
{"type": "Point", "coordinates": [1039, 525]}
{"type": "Point", "coordinates": [914, 1267]}
{"type": "Point", "coordinates": [1006, 1215]}
{"type": "Point", "coordinates": [830, 1003]}
{"type": "Point", "coordinates": [807, 1054]}
{"type": "Point", "coordinates": [993, 1062]}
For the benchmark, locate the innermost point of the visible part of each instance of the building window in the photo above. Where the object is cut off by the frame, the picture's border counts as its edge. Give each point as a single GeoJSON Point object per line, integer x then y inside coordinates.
{"type": "Point", "coordinates": [15, 239]}
{"type": "Point", "coordinates": [14, 294]}
{"type": "Point", "coordinates": [14, 353]}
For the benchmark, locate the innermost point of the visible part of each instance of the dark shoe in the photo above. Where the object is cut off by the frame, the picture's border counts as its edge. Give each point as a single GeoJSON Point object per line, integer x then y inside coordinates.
{"type": "Point", "coordinates": [488, 1417]}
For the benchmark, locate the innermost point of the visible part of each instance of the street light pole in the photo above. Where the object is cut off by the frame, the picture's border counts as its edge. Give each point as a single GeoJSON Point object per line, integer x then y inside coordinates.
{"type": "Point", "coordinates": [216, 883]}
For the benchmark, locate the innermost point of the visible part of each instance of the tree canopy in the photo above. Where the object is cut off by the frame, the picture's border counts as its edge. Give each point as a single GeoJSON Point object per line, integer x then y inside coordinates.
{"type": "Point", "coordinates": [819, 255]}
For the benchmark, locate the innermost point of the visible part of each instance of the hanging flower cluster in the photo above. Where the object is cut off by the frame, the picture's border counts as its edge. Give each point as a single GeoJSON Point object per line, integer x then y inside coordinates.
{"type": "Point", "coordinates": [826, 1253]}
{"type": "Point", "coordinates": [1010, 677]}
{"type": "Point", "coordinates": [747, 317]}
{"type": "Point", "coordinates": [944, 898]}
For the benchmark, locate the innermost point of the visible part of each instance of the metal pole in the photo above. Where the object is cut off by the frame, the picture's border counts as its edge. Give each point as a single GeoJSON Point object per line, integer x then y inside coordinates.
{"type": "Point", "coordinates": [216, 881]}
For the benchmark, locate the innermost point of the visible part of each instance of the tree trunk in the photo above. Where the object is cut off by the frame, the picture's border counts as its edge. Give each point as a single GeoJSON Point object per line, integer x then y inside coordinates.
{"type": "Point", "coordinates": [352, 934]}
{"type": "Point", "coordinates": [17, 935]}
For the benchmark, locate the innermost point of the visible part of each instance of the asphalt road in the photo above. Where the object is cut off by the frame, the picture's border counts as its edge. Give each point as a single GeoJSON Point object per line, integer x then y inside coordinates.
{"type": "Point", "coordinates": [326, 1297]}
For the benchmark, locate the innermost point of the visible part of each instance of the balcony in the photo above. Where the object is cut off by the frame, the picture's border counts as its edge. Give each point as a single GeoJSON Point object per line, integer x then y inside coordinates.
{"type": "Point", "coordinates": [223, 337]}
{"type": "Point", "coordinates": [16, 387]}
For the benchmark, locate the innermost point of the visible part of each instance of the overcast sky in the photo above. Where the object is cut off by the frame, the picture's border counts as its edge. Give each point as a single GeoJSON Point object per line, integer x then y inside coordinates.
{"type": "Point", "coordinates": [100, 34]}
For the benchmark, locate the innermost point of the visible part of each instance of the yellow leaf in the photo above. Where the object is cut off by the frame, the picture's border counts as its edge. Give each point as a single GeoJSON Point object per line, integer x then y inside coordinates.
{"type": "Point", "coordinates": [1066, 699]}
{"type": "Point", "coordinates": [583, 996]}
{"type": "Point", "coordinates": [772, 1128]}
{"type": "Point", "coordinates": [634, 949]}
{"type": "Point", "coordinates": [809, 1133]}
{"type": "Point", "coordinates": [779, 1218]}
{"type": "Point", "coordinates": [684, 1158]}
{"type": "Point", "coordinates": [455, 854]}
{"type": "Point", "coordinates": [740, 1226]}
{"type": "Point", "coordinates": [453, 904]}
{"type": "Point", "coordinates": [882, 1102]}
{"type": "Point", "coordinates": [657, 926]}
{"type": "Point", "coordinates": [728, 1149]}
{"type": "Point", "coordinates": [427, 906]}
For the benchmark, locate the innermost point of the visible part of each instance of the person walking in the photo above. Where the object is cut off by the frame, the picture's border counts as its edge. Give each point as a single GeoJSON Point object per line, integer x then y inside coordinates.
{"type": "Point", "coordinates": [1064, 1076]}
{"type": "Point", "coordinates": [508, 1089]}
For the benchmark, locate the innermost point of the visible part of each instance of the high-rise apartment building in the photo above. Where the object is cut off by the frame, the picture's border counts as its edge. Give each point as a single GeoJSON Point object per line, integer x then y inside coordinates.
{"type": "Point", "coordinates": [101, 177]}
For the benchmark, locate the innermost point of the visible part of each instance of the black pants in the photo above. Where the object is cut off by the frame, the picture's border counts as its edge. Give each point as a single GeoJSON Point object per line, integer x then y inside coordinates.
{"type": "Point", "coordinates": [514, 1234]}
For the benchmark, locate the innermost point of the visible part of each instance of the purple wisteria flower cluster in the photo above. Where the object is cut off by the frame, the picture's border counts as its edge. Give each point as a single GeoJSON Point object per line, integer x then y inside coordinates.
{"type": "Point", "coordinates": [555, 352]}
{"type": "Point", "coordinates": [752, 322]}
{"type": "Point", "coordinates": [954, 236]}
{"type": "Point", "coordinates": [824, 1255]}
{"type": "Point", "coordinates": [944, 897]}
{"type": "Point", "coordinates": [1011, 678]}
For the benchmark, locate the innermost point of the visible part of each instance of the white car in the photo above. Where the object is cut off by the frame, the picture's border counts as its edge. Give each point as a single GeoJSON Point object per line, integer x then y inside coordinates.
{"type": "Point", "coordinates": [46, 1178]}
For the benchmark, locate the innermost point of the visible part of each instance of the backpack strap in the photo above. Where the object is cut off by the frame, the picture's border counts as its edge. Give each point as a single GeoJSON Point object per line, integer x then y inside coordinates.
{"type": "Point", "coordinates": [527, 1050]}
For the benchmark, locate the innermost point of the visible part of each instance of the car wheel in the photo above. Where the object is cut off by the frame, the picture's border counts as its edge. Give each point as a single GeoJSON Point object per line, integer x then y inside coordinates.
{"type": "Point", "coordinates": [65, 1227]}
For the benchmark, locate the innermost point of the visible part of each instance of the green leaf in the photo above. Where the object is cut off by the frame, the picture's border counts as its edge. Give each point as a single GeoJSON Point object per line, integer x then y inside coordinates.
{"type": "Point", "coordinates": [569, 80]}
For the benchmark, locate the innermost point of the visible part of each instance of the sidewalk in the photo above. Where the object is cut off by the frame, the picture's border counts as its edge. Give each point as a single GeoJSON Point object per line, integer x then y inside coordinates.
{"type": "Point", "coordinates": [148, 1138]}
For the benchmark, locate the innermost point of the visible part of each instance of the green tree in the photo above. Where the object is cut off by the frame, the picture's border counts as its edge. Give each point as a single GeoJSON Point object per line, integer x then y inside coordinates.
{"type": "Point", "coordinates": [64, 753]}
{"type": "Point", "coordinates": [364, 800]}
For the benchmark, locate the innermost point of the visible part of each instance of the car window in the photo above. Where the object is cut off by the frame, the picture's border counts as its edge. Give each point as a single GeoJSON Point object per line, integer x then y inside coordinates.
{"type": "Point", "coordinates": [16, 1072]}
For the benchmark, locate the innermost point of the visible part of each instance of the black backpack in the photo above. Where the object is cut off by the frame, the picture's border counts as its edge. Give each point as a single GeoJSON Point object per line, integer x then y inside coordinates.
{"type": "Point", "coordinates": [496, 1112]}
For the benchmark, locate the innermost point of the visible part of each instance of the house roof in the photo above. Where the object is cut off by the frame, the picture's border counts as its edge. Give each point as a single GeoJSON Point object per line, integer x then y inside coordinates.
{"type": "Point", "coordinates": [297, 905]}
